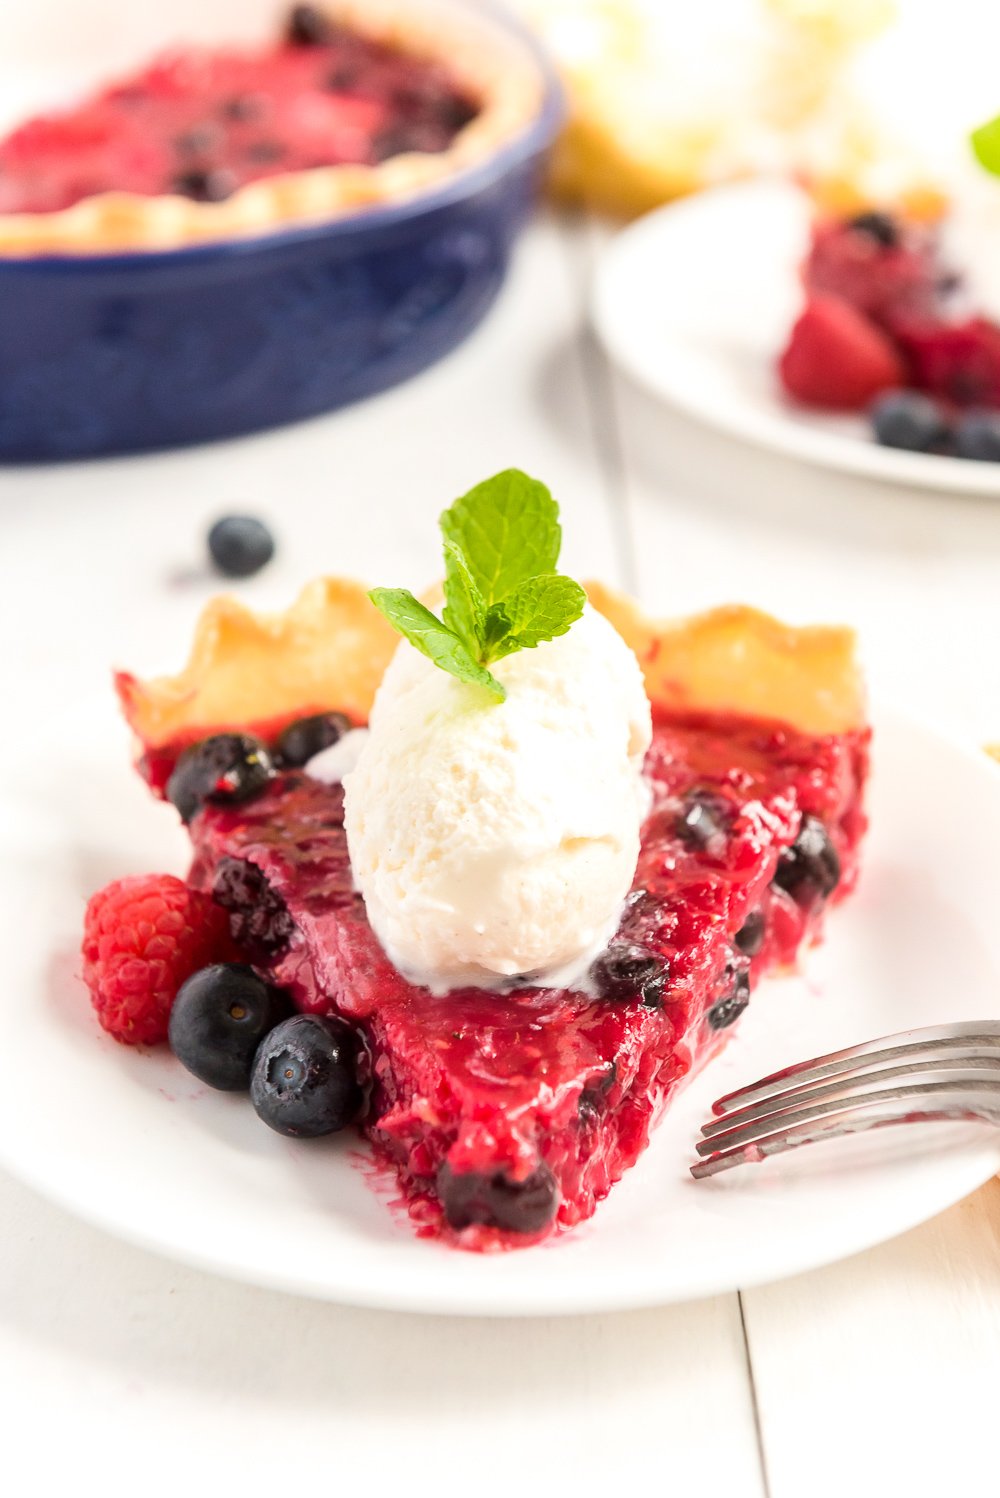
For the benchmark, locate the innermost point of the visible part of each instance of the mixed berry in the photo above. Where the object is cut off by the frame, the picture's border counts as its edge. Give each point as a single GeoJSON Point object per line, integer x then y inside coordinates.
{"type": "Point", "coordinates": [204, 123]}
{"type": "Point", "coordinates": [885, 330]}
{"type": "Point", "coordinates": [627, 971]}
{"type": "Point", "coordinates": [498, 1201]}
{"type": "Point", "coordinates": [225, 767]}
{"type": "Point", "coordinates": [159, 962]}
{"type": "Point", "coordinates": [307, 737]}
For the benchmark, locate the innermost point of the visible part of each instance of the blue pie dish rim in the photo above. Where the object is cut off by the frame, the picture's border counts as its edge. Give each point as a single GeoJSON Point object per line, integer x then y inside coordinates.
{"type": "Point", "coordinates": [54, 405]}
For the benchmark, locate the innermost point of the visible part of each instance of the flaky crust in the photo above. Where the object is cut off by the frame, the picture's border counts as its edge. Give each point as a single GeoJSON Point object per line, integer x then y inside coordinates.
{"type": "Point", "coordinates": [740, 660]}
{"type": "Point", "coordinates": [502, 77]}
{"type": "Point", "coordinates": [330, 650]}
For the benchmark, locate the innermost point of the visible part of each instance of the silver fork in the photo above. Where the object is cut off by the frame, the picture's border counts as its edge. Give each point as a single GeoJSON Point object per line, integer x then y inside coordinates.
{"type": "Point", "coordinates": [943, 1072]}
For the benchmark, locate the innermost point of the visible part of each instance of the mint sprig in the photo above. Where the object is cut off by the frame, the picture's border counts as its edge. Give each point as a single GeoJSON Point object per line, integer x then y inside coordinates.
{"type": "Point", "coordinates": [501, 590]}
{"type": "Point", "coordinates": [986, 145]}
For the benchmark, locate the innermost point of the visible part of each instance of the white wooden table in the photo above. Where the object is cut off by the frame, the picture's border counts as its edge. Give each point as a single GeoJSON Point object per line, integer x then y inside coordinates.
{"type": "Point", "coordinates": [876, 1376]}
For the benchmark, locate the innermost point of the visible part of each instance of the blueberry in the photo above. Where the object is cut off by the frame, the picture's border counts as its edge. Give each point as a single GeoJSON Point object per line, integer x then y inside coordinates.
{"type": "Point", "coordinates": [496, 1201]}
{"type": "Point", "coordinates": [704, 819]}
{"type": "Point", "coordinates": [220, 1016]}
{"type": "Point", "coordinates": [978, 436]}
{"type": "Point", "coordinates": [308, 27]}
{"type": "Point", "coordinates": [344, 75]}
{"type": "Point", "coordinates": [454, 112]}
{"type": "Point", "coordinates": [881, 227]}
{"type": "Point", "coordinates": [240, 545]}
{"type": "Point", "coordinates": [244, 107]}
{"type": "Point", "coordinates": [309, 736]}
{"type": "Point", "coordinates": [727, 1010]}
{"type": "Point", "coordinates": [908, 420]}
{"type": "Point", "coordinates": [225, 767]}
{"type": "Point", "coordinates": [810, 869]}
{"type": "Point", "coordinates": [205, 184]}
{"type": "Point", "coordinates": [629, 972]}
{"type": "Point", "coordinates": [305, 1077]}
{"type": "Point", "coordinates": [593, 1098]}
{"type": "Point", "coordinates": [259, 919]}
{"type": "Point", "coordinates": [199, 140]}
{"type": "Point", "coordinates": [265, 151]}
{"type": "Point", "coordinates": [410, 135]}
{"type": "Point", "coordinates": [750, 937]}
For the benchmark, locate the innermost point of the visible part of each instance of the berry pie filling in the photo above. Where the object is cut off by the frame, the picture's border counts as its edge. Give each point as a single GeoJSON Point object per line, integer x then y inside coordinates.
{"type": "Point", "coordinates": [649, 819]}
{"type": "Point", "coordinates": [753, 829]}
{"type": "Point", "coordinates": [202, 124]}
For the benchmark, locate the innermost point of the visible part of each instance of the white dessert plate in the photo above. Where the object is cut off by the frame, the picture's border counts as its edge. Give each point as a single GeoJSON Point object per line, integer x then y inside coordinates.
{"type": "Point", "coordinates": [131, 1142]}
{"type": "Point", "coordinates": [695, 302]}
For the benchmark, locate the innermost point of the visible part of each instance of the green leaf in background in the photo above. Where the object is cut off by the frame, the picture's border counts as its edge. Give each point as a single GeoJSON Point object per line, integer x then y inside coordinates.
{"type": "Point", "coordinates": [432, 638]}
{"type": "Point", "coordinates": [986, 145]}
{"type": "Point", "coordinates": [508, 531]}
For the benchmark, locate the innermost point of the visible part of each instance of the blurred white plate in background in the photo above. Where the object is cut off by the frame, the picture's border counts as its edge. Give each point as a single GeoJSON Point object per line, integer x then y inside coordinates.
{"type": "Point", "coordinates": [695, 302]}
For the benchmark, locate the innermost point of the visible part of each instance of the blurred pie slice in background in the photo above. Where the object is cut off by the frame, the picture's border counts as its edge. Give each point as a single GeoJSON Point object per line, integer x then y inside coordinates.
{"type": "Point", "coordinates": [666, 98]}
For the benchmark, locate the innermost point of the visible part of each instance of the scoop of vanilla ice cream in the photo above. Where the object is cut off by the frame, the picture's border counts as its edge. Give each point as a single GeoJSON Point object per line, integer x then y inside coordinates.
{"type": "Point", "coordinates": [491, 839]}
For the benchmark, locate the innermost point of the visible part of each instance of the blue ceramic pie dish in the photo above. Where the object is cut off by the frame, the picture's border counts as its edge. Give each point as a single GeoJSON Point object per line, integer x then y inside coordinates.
{"type": "Point", "coordinates": [114, 353]}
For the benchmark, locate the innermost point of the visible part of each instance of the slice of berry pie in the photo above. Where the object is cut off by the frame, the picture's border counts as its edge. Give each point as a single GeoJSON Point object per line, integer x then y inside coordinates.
{"type": "Point", "coordinates": [537, 891]}
{"type": "Point", "coordinates": [358, 102]}
{"type": "Point", "coordinates": [889, 325]}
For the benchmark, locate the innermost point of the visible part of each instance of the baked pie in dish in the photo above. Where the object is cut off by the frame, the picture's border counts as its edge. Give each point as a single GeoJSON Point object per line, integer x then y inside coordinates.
{"type": "Point", "coordinates": [538, 897]}
{"type": "Point", "coordinates": [354, 105]}
{"type": "Point", "coordinates": [236, 237]}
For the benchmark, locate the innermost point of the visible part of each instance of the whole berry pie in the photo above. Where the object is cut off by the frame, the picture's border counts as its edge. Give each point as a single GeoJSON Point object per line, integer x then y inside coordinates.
{"type": "Point", "coordinates": [353, 104]}
{"type": "Point", "coordinates": [494, 890]}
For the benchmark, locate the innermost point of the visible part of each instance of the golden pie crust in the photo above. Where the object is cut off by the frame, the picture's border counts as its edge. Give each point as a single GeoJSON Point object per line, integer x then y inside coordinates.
{"type": "Point", "coordinates": [499, 73]}
{"type": "Point", "coordinates": [329, 652]}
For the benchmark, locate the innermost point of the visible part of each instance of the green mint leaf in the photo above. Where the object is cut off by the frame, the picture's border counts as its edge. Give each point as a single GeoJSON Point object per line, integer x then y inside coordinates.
{"type": "Point", "coordinates": [986, 145]}
{"type": "Point", "coordinates": [539, 610]}
{"type": "Point", "coordinates": [502, 592]}
{"type": "Point", "coordinates": [432, 638]}
{"type": "Point", "coordinates": [508, 531]}
{"type": "Point", "coordinates": [497, 625]}
{"type": "Point", "coordinates": [464, 609]}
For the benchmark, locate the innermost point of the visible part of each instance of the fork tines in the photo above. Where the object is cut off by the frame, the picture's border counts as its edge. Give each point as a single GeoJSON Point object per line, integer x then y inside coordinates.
{"type": "Point", "coordinates": [950, 1071]}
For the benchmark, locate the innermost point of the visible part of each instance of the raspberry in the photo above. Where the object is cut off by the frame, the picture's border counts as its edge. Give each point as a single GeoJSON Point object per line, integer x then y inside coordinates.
{"type": "Point", "coordinates": [838, 359]}
{"type": "Point", "coordinates": [880, 280]}
{"type": "Point", "coordinates": [958, 362]}
{"type": "Point", "coordinates": [142, 938]}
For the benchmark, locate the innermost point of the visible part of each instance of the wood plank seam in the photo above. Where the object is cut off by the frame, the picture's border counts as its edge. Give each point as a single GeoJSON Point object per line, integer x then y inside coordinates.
{"type": "Point", "coordinates": [754, 1401]}
{"type": "Point", "coordinates": [595, 376]}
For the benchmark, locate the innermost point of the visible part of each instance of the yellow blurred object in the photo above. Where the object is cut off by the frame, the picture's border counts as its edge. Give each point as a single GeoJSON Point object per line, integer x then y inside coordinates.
{"type": "Point", "coordinates": [597, 162]}
{"type": "Point", "coordinates": [842, 194]}
{"type": "Point", "coordinates": [812, 42]}
{"type": "Point", "coordinates": [665, 98]}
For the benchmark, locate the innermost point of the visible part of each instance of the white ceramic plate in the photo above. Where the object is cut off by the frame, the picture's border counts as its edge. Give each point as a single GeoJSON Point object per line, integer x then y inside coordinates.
{"type": "Point", "coordinates": [695, 302]}
{"type": "Point", "coordinates": [129, 1141]}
